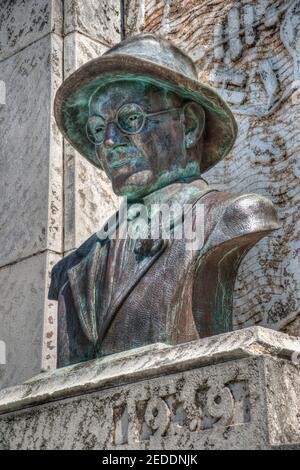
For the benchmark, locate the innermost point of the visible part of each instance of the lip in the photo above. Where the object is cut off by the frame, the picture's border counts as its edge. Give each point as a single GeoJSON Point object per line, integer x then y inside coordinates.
{"type": "Point", "coordinates": [121, 164]}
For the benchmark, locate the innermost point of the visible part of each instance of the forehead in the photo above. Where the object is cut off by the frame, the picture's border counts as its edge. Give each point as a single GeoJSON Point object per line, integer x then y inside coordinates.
{"type": "Point", "coordinates": [111, 97]}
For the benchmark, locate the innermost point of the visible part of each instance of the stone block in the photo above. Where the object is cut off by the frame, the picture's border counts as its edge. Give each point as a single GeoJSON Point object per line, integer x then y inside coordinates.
{"type": "Point", "coordinates": [79, 49]}
{"type": "Point", "coordinates": [97, 20]}
{"type": "Point", "coordinates": [89, 198]}
{"type": "Point", "coordinates": [49, 346]}
{"type": "Point", "coordinates": [22, 23]}
{"type": "Point", "coordinates": [239, 390]}
{"type": "Point", "coordinates": [31, 152]}
{"type": "Point", "coordinates": [134, 17]}
{"type": "Point", "coordinates": [28, 320]}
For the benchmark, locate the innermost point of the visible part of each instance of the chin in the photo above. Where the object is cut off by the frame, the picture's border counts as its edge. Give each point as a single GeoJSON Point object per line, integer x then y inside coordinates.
{"type": "Point", "coordinates": [134, 186]}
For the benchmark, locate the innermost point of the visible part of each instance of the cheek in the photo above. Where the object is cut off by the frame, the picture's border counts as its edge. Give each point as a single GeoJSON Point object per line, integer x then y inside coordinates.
{"type": "Point", "coordinates": [101, 153]}
{"type": "Point", "coordinates": [161, 142]}
{"type": "Point", "coordinates": [173, 136]}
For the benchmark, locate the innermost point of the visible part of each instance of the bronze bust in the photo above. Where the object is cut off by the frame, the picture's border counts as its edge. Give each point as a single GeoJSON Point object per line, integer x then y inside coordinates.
{"type": "Point", "coordinates": [139, 113]}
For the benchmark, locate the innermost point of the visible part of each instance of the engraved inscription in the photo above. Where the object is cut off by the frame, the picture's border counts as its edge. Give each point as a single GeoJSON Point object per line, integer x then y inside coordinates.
{"type": "Point", "coordinates": [196, 408]}
{"type": "Point", "coordinates": [120, 425]}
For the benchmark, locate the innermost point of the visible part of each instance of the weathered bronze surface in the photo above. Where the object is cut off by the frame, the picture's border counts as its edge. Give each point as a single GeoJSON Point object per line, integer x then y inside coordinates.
{"type": "Point", "coordinates": [139, 113]}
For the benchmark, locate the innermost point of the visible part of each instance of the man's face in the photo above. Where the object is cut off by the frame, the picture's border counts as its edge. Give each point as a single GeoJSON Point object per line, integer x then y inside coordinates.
{"type": "Point", "coordinates": [138, 163]}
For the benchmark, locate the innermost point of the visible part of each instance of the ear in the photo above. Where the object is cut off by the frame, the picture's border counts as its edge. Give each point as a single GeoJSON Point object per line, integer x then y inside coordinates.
{"type": "Point", "coordinates": [194, 123]}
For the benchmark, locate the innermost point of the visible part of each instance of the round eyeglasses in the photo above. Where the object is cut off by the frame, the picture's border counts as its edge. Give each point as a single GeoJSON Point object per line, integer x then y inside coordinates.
{"type": "Point", "coordinates": [130, 119]}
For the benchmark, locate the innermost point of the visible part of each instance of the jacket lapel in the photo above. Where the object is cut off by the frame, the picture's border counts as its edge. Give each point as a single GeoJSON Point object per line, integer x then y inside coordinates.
{"type": "Point", "coordinates": [137, 263]}
{"type": "Point", "coordinates": [86, 280]}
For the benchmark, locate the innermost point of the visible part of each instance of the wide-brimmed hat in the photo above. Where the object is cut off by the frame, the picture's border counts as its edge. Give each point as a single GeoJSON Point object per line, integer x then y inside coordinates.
{"type": "Point", "coordinates": [153, 59]}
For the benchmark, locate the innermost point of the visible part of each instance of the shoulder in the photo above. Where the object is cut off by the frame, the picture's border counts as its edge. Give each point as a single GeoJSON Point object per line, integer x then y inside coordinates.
{"type": "Point", "coordinates": [59, 273]}
{"type": "Point", "coordinates": [237, 215]}
{"type": "Point", "coordinates": [249, 213]}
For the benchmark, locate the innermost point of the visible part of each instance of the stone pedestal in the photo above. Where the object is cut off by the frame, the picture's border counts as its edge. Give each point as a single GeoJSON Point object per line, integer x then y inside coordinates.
{"type": "Point", "coordinates": [239, 390]}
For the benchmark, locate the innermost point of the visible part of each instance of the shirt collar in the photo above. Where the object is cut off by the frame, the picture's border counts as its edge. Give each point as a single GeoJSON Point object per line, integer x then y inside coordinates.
{"type": "Point", "coordinates": [180, 193]}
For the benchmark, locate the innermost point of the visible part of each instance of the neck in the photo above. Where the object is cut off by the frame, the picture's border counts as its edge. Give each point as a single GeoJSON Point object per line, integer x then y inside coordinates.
{"type": "Point", "coordinates": [178, 175]}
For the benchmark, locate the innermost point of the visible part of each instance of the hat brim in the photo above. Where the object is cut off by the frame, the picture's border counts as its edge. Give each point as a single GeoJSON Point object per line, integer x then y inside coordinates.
{"type": "Point", "coordinates": [71, 107]}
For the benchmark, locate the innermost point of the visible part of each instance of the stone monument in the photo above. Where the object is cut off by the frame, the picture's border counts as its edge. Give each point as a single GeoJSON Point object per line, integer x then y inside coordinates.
{"type": "Point", "coordinates": [140, 317]}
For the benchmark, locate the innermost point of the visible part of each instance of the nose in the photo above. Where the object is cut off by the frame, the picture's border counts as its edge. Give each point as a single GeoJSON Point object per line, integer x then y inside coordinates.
{"type": "Point", "coordinates": [113, 136]}
{"type": "Point", "coordinates": [108, 143]}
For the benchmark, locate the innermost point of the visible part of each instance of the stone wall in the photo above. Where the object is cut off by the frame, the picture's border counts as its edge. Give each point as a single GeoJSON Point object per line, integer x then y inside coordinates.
{"type": "Point", "coordinates": [91, 27]}
{"type": "Point", "coordinates": [51, 200]}
{"type": "Point", "coordinates": [31, 191]}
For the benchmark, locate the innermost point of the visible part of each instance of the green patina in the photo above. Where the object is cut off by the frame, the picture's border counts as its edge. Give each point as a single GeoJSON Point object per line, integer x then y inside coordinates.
{"type": "Point", "coordinates": [76, 112]}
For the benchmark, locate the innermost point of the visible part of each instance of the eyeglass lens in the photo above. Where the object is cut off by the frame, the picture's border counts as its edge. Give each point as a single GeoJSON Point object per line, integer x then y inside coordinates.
{"type": "Point", "coordinates": [130, 119]}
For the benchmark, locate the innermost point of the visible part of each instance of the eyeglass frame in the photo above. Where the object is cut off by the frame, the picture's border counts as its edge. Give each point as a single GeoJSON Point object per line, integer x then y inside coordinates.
{"type": "Point", "coordinates": [115, 120]}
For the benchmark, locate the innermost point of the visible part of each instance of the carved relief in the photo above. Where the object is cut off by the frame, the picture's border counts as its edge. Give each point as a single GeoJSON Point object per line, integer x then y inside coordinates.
{"type": "Point", "coordinates": [290, 35]}
{"type": "Point", "coordinates": [196, 407]}
{"type": "Point", "coordinates": [157, 415]}
{"type": "Point", "coordinates": [259, 90]}
{"type": "Point", "coordinates": [120, 425]}
{"type": "Point", "coordinates": [220, 405]}
{"type": "Point", "coordinates": [241, 27]}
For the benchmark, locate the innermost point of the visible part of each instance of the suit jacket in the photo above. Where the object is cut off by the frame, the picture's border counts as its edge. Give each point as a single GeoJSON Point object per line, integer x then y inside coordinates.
{"type": "Point", "coordinates": [118, 294]}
